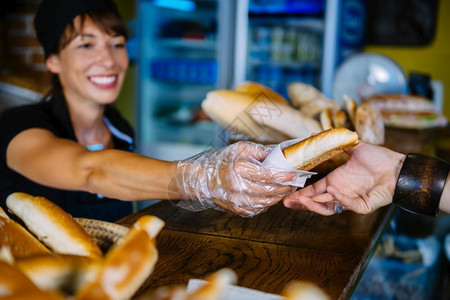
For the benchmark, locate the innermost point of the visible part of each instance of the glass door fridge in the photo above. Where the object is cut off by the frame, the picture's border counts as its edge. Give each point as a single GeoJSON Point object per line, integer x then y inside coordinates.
{"type": "Point", "coordinates": [190, 47]}
{"type": "Point", "coordinates": [178, 64]}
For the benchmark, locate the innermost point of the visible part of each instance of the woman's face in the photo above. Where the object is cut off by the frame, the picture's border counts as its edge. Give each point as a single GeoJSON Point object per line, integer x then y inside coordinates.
{"type": "Point", "coordinates": [92, 66]}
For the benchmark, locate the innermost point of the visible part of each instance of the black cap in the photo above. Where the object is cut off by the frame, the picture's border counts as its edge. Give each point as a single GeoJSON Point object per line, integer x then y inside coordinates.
{"type": "Point", "coordinates": [53, 16]}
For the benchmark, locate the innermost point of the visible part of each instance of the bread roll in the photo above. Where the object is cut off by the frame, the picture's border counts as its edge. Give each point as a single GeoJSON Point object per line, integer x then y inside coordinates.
{"type": "Point", "coordinates": [52, 225]}
{"type": "Point", "coordinates": [369, 124]}
{"type": "Point", "coordinates": [318, 148]}
{"type": "Point", "coordinates": [282, 118]}
{"type": "Point", "coordinates": [401, 103]}
{"type": "Point", "coordinates": [216, 284]}
{"type": "Point", "coordinates": [229, 108]}
{"type": "Point", "coordinates": [259, 91]}
{"type": "Point", "coordinates": [301, 93]}
{"type": "Point", "coordinates": [127, 264]}
{"type": "Point", "coordinates": [350, 106]}
{"type": "Point", "coordinates": [60, 272]}
{"type": "Point", "coordinates": [414, 120]}
{"type": "Point", "coordinates": [19, 240]}
{"type": "Point", "coordinates": [14, 284]}
{"type": "Point", "coordinates": [301, 290]}
{"type": "Point", "coordinates": [313, 108]}
{"type": "Point", "coordinates": [340, 119]}
{"type": "Point", "coordinates": [325, 118]}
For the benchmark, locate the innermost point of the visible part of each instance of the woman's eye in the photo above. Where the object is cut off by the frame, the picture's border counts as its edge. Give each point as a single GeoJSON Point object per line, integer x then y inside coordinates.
{"type": "Point", "coordinates": [119, 45]}
{"type": "Point", "coordinates": [85, 45]}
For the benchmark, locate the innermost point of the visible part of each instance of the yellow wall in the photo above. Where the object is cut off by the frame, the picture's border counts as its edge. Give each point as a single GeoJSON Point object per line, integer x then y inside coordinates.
{"type": "Point", "coordinates": [433, 59]}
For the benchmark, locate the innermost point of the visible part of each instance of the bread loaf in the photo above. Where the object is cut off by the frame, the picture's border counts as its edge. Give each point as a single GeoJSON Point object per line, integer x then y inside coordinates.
{"type": "Point", "coordinates": [301, 93]}
{"type": "Point", "coordinates": [369, 123]}
{"type": "Point", "coordinates": [19, 240]}
{"type": "Point", "coordinates": [14, 284]}
{"type": "Point", "coordinates": [59, 272]}
{"type": "Point", "coordinates": [350, 106]}
{"type": "Point", "coordinates": [282, 118]}
{"type": "Point", "coordinates": [229, 109]}
{"type": "Point", "coordinates": [127, 264]}
{"type": "Point", "coordinates": [52, 225]}
{"type": "Point", "coordinates": [259, 91]}
{"type": "Point", "coordinates": [318, 148]}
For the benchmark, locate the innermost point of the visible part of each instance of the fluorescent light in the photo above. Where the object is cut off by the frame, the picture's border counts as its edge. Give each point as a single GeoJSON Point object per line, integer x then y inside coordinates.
{"type": "Point", "coordinates": [184, 5]}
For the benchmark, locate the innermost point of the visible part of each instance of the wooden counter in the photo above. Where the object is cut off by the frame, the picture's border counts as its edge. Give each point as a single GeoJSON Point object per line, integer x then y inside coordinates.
{"type": "Point", "coordinates": [266, 251]}
{"type": "Point", "coordinates": [270, 250]}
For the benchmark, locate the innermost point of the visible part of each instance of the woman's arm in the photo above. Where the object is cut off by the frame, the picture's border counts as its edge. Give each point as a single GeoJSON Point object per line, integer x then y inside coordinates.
{"type": "Point", "coordinates": [232, 177]}
{"type": "Point", "coordinates": [60, 163]}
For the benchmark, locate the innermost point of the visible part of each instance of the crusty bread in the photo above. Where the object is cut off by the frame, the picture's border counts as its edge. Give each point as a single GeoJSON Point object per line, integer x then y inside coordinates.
{"type": "Point", "coordinates": [259, 91]}
{"type": "Point", "coordinates": [302, 290]}
{"type": "Point", "coordinates": [340, 119]}
{"type": "Point", "coordinates": [313, 108]}
{"type": "Point", "coordinates": [19, 240]}
{"type": "Point", "coordinates": [216, 284]}
{"type": "Point", "coordinates": [401, 103]}
{"type": "Point", "coordinates": [350, 107]}
{"type": "Point", "coordinates": [301, 93]}
{"type": "Point", "coordinates": [14, 284]}
{"type": "Point", "coordinates": [309, 100]}
{"type": "Point", "coordinates": [282, 118]}
{"type": "Point", "coordinates": [59, 272]}
{"type": "Point", "coordinates": [325, 118]}
{"type": "Point", "coordinates": [52, 225]}
{"type": "Point", "coordinates": [228, 108]}
{"type": "Point", "coordinates": [369, 123]}
{"type": "Point", "coordinates": [127, 264]}
{"type": "Point", "coordinates": [318, 148]}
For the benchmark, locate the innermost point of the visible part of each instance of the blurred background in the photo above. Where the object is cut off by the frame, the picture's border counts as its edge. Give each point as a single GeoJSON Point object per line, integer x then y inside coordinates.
{"type": "Point", "coordinates": [182, 49]}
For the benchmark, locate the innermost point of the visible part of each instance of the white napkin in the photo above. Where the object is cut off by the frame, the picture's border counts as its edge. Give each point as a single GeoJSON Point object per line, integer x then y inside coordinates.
{"type": "Point", "coordinates": [276, 160]}
{"type": "Point", "coordinates": [235, 292]}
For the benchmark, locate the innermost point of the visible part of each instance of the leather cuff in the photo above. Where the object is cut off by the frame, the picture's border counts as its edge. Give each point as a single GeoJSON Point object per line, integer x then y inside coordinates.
{"type": "Point", "coordinates": [420, 184]}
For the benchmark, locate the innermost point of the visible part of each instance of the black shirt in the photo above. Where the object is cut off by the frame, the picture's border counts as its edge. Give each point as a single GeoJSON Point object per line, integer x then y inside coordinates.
{"type": "Point", "coordinates": [53, 115]}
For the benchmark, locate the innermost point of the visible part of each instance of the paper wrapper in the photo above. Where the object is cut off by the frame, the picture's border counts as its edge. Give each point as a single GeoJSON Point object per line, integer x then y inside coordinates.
{"type": "Point", "coordinates": [276, 160]}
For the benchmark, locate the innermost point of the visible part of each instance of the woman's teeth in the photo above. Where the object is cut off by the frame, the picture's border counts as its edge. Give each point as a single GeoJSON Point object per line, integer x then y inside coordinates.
{"type": "Point", "coordinates": [103, 79]}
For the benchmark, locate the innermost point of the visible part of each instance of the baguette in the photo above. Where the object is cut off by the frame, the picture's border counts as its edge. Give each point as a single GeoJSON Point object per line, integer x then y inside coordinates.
{"type": "Point", "coordinates": [259, 91]}
{"type": "Point", "coordinates": [18, 239]}
{"type": "Point", "coordinates": [318, 148]}
{"type": "Point", "coordinates": [302, 290]}
{"type": "Point", "coordinates": [52, 225]}
{"type": "Point", "coordinates": [14, 284]}
{"type": "Point", "coordinates": [127, 264]}
{"type": "Point", "coordinates": [369, 123]}
{"type": "Point", "coordinates": [60, 272]}
{"type": "Point", "coordinates": [229, 108]}
{"type": "Point", "coordinates": [284, 119]}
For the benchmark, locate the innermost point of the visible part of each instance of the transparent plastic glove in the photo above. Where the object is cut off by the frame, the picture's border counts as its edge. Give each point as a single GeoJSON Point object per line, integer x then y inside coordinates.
{"type": "Point", "coordinates": [232, 179]}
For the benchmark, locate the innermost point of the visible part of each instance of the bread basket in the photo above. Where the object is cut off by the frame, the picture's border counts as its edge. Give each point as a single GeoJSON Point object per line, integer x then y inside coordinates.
{"type": "Point", "coordinates": [105, 234]}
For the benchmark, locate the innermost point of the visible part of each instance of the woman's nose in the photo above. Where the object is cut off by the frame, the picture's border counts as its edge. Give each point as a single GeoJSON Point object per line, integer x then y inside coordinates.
{"type": "Point", "coordinates": [105, 56]}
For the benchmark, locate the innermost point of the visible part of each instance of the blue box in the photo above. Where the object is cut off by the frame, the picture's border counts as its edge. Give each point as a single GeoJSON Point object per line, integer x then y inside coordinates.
{"type": "Point", "coordinates": [389, 278]}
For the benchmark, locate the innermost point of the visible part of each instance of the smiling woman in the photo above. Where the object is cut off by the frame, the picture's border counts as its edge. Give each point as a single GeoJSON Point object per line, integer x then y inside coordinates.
{"type": "Point", "coordinates": [74, 148]}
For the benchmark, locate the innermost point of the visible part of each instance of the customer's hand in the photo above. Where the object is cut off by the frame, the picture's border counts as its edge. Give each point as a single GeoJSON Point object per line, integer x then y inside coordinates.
{"type": "Point", "coordinates": [232, 179]}
{"type": "Point", "coordinates": [363, 184]}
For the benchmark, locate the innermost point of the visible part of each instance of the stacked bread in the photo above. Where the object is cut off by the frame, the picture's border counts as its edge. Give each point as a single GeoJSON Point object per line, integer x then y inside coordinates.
{"type": "Point", "coordinates": [407, 111]}
{"type": "Point", "coordinates": [53, 257]}
{"type": "Point", "coordinates": [259, 113]}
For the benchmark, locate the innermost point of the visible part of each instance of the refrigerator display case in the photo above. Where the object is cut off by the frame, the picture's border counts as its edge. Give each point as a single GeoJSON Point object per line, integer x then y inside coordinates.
{"type": "Point", "coordinates": [188, 48]}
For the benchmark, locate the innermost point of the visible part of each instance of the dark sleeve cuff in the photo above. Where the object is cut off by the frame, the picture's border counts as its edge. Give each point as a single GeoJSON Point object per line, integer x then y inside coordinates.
{"type": "Point", "coordinates": [420, 184]}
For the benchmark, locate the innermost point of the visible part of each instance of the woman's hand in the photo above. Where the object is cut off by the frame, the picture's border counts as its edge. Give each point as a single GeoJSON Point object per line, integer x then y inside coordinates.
{"type": "Point", "coordinates": [363, 184]}
{"type": "Point", "coordinates": [232, 179]}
